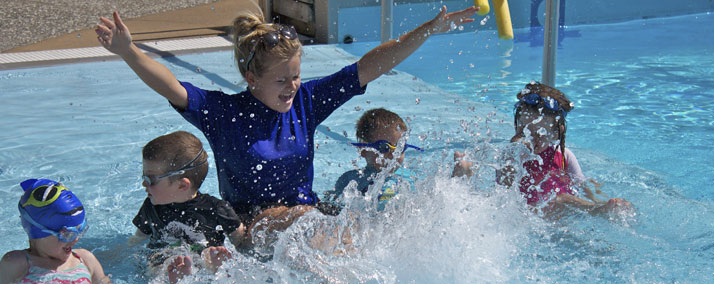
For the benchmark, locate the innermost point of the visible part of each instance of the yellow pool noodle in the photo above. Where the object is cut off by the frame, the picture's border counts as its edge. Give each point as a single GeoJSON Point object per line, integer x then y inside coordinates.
{"type": "Point", "coordinates": [483, 7]}
{"type": "Point", "coordinates": [503, 19]}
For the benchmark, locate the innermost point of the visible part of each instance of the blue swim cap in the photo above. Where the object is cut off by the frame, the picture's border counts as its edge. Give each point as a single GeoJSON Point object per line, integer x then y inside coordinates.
{"type": "Point", "coordinates": [51, 205]}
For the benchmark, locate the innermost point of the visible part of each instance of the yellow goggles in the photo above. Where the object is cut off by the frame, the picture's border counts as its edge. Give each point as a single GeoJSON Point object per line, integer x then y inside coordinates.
{"type": "Point", "coordinates": [44, 195]}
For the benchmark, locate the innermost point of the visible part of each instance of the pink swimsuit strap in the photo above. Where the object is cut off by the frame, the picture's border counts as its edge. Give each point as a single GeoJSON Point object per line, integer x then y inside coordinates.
{"type": "Point", "coordinates": [76, 275]}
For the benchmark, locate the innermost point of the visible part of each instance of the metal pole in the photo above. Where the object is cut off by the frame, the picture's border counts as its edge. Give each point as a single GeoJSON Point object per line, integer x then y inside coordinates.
{"type": "Point", "coordinates": [387, 19]}
{"type": "Point", "coordinates": [550, 41]}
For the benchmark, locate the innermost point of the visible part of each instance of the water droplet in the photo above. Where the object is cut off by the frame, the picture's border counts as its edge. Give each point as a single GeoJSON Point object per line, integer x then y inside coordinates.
{"type": "Point", "coordinates": [471, 65]}
{"type": "Point", "coordinates": [205, 111]}
{"type": "Point", "coordinates": [252, 115]}
{"type": "Point", "coordinates": [259, 167]}
{"type": "Point", "coordinates": [342, 90]}
{"type": "Point", "coordinates": [233, 120]}
{"type": "Point", "coordinates": [485, 19]}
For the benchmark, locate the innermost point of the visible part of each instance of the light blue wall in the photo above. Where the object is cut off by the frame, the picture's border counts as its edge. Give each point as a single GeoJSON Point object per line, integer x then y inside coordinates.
{"type": "Point", "coordinates": [363, 22]}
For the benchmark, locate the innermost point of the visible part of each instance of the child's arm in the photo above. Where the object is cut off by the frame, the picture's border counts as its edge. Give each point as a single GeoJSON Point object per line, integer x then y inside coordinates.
{"type": "Point", "coordinates": [115, 37]}
{"type": "Point", "coordinates": [386, 56]}
{"type": "Point", "coordinates": [136, 238]}
{"type": "Point", "coordinates": [95, 268]}
{"type": "Point", "coordinates": [13, 266]}
{"type": "Point", "coordinates": [461, 167]}
{"type": "Point", "coordinates": [593, 207]}
{"type": "Point", "coordinates": [505, 175]}
{"type": "Point", "coordinates": [240, 238]}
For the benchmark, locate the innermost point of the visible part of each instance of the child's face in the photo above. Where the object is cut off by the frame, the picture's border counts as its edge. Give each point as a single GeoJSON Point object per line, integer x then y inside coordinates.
{"type": "Point", "coordinates": [164, 191]}
{"type": "Point", "coordinates": [539, 129]}
{"type": "Point", "coordinates": [391, 134]}
{"type": "Point", "coordinates": [52, 247]}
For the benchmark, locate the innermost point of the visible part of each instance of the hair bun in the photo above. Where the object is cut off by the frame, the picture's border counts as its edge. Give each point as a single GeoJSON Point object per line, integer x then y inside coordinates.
{"type": "Point", "coordinates": [244, 24]}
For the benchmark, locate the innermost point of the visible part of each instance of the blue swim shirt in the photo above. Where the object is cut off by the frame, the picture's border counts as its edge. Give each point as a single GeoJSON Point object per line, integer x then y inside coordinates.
{"type": "Point", "coordinates": [264, 157]}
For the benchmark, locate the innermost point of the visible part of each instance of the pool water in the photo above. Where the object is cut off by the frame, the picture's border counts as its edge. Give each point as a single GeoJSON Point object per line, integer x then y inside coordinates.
{"type": "Point", "coordinates": [642, 127]}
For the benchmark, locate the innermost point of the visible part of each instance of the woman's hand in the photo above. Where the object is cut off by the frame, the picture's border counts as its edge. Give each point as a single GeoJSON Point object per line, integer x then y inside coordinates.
{"type": "Point", "coordinates": [114, 35]}
{"type": "Point", "coordinates": [447, 22]}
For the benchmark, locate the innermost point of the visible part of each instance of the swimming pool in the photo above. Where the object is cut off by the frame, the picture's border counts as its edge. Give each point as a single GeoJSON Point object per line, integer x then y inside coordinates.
{"type": "Point", "coordinates": [642, 126]}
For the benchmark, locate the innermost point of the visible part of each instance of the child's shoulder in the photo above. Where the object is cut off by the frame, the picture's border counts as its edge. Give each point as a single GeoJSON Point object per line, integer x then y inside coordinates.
{"type": "Point", "coordinates": [14, 264]}
{"type": "Point", "coordinates": [86, 256]}
{"type": "Point", "coordinates": [15, 256]}
{"type": "Point", "coordinates": [210, 200]}
{"type": "Point", "coordinates": [83, 253]}
{"type": "Point", "coordinates": [211, 203]}
{"type": "Point", "coordinates": [357, 174]}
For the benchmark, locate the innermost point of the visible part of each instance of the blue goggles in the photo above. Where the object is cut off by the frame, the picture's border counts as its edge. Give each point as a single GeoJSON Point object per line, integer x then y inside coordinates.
{"type": "Point", "coordinates": [548, 102]}
{"type": "Point", "coordinates": [153, 180]}
{"type": "Point", "coordinates": [383, 146]}
{"type": "Point", "coordinates": [65, 235]}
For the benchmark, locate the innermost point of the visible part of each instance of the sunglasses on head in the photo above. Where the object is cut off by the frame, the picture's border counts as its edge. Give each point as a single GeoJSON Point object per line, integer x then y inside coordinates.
{"type": "Point", "coordinates": [548, 102]}
{"type": "Point", "coordinates": [272, 38]}
{"type": "Point", "coordinates": [383, 146]}
{"type": "Point", "coordinates": [65, 235]}
{"type": "Point", "coordinates": [153, 180]}
{"type": "Point", "coordinates": [44, 195]}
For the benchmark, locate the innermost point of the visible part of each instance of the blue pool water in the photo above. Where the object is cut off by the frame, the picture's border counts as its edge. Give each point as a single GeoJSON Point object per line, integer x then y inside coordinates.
{"type": "Point", "coordinates": [642, 126]}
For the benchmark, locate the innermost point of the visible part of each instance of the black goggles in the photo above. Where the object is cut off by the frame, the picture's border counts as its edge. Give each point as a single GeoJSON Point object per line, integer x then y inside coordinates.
{"type": "Point", "coordinates": [153, 180]}
{"type": "Point", "coordinates": [271, 39]}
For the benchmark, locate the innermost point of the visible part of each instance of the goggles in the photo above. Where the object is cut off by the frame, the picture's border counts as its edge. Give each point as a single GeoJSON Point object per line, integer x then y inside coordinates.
{"type": "Point", "coordinates": [272, 38]}
{"type": "Point", "coordinates": [65, 235]}
{"type": "Point", "coordinates": [153, 180]}
{"type": "Point", "coordinates": [383, 146]}
{"type": "Point", "coordinates": [44, 195]}
{"type": "Point", "coordinates": [548, 102]}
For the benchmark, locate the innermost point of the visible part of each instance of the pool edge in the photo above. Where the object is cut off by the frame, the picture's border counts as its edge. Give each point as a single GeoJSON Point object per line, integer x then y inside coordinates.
{"type": "Point", "coordinates": [163, 48]}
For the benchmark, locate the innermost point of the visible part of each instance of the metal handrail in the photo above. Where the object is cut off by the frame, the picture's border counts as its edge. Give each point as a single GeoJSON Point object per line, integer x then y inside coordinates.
{"type": "Point", "coordinates": [387, 20]}
{"type": "Point", "coordinates": [550, 41]}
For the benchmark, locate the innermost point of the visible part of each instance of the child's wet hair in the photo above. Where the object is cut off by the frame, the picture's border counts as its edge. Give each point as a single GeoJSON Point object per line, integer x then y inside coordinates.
{"type": "Point", "coordinates": [247, 32]}
{"type": "Point", "coordinates": [545, 92]}
{"type": "Point", "coordinates": [176, 149]}
{"type": "Point", "coordinates": [375, 119]}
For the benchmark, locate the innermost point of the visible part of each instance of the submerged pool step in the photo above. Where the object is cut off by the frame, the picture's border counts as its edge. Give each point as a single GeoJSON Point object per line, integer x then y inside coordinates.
{"type": "Point", "coordinates": [75, 55]}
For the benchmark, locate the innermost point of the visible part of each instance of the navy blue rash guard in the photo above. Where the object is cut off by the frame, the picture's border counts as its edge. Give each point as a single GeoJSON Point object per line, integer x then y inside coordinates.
{"type": "Point", "coordinates": [264, 157]}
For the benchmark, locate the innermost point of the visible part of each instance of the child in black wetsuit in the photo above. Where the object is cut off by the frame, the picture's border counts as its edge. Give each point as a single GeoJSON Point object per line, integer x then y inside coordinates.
{"type": "Point", "coordinates": [175, 213]}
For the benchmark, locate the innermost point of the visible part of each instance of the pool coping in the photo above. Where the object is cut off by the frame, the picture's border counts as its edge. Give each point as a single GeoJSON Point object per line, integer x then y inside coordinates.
{"type": "Point", "coordinates": [158, 48]}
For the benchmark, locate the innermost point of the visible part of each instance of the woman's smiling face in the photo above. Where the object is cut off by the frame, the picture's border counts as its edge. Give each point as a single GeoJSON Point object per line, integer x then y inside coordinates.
{"type": "Point", "coordinates": [277, 86]}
